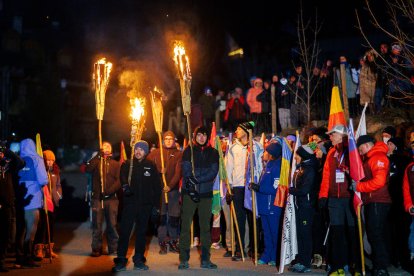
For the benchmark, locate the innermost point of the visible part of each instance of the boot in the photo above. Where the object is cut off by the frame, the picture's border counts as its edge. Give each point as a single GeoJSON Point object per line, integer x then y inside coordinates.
{"type": "Point", "coordinates": [174, 246]}
{"type": "Point", "coordinates": [163, 248]}
{"type": "Point", "coordinates": [38, 252]}
{"type": "Point", "coordinates": [28, 255]}
{"type": "Point", "coordinates": [50, 252]}
{"type": "Point", "coordinates": [120, 264]}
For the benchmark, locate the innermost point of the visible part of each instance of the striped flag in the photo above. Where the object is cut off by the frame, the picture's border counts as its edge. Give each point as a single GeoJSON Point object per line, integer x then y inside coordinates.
{"type": "Point", "coordinates": [289, 243]}
{"type": "Point", "coordinates": [356, 170]}
{"type": "Point", "coordinates": [282, 190]}
{"type": "Point", "coordinates": [336, 112]}
{"type": "Point", "coordinates": [123, 155]}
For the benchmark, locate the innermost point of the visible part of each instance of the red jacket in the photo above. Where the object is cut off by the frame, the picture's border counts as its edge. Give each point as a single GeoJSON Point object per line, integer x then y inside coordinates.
{"type": "Point", "coordinates": [337, 158]}
{"type": "Point", "coordinates": [408, 186]}
{"type": "Point", "coordinates": [374, 187]}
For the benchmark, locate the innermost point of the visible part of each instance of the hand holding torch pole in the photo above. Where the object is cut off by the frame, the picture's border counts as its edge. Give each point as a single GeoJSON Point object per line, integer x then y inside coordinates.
{"type": "Point", "coordinates": [101, 73]}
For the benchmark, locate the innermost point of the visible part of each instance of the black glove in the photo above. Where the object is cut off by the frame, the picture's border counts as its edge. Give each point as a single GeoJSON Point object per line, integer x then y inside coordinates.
{"type": "Point", "coordinates": [155, 215]}
{"type": "Point", "coordinates": [254, 186]}
{"type": "Point", "coordinates": [322, 202]}
{"type": "Point", "coordinates": [127, 190]}
{"type": "Point", "coordinates": [191, 189]}
{"type": "Point", "coordinates": [352, 187]}
{"type": "Point", "coordinates": [229, 198]}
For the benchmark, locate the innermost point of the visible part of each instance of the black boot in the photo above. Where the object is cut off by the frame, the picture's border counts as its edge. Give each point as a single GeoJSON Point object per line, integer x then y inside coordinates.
{"type": "Point", "coordinates": [174, 246]}
{"type": "Point", "coordinates": [163, 248]}
{"type": "Point", "coordinates": [120, 264]}
{"type": "Point", "coordinates": [28, 255]}
{"type": "Point", "coordinates": [205, 259]}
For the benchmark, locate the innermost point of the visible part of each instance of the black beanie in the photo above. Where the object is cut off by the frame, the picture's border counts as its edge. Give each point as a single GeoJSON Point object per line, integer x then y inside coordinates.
{"type": "Point", "coordinates": [364, 139]}
{"type": "Point", "coordinates": [390, 130]}
{"type": "Point", "coordinates": [305, 152]}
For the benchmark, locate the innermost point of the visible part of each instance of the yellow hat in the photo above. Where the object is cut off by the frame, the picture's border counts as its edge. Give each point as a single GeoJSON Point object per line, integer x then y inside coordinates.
{"type": "Point", "coordinates": [49, 155]}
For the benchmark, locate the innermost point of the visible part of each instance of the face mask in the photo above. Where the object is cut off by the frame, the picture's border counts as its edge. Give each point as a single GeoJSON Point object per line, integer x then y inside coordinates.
{"type": "Point", "coordinates": [283, 81]}
{"type": "Point", "coordinates": [385, 139]}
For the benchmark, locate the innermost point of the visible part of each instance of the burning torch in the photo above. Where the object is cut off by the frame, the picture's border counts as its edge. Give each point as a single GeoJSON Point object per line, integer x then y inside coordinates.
{"type": "Point", "coordinates": [101, 73]}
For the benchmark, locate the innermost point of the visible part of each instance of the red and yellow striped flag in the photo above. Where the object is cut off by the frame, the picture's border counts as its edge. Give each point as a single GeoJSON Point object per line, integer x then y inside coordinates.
{"type": "Point", "coordinates": [336, 113]}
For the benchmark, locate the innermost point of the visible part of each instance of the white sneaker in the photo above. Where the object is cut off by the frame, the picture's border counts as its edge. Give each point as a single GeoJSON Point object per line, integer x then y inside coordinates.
{"type": "Point", "coordinates": [196, 242]}
{"type": "Point", "coordinates": [215, 245]}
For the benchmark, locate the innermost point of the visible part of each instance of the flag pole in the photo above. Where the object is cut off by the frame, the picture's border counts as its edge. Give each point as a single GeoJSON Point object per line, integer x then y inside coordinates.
{"type": "Point", "coordinates": [253, 196]}
{"type": "Point", "coordinates": [360, 240]}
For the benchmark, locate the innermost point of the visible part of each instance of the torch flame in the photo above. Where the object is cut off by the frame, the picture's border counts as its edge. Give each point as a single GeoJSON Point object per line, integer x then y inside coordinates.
{"type": "Point", "coordinates": [181, 61]}
{"type": "Point", "coordinates": [137, 109]}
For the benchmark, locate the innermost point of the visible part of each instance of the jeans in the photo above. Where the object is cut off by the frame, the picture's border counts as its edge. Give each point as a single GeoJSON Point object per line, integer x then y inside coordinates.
{"type": "Point", "coordinates": [411, 237]}
{"type": "Point", "coordinates": [170, 217]}
{"type": "Point", "coordinates": [109, 213]}
{"type": "Point", "coordinates": [375, 221]}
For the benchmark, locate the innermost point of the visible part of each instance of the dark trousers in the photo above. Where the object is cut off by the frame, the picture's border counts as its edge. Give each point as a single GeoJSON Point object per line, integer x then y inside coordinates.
{"type": "Point", "coordinates": [304, 219]}
{"type": "Point", "coordinates": [5, 229]}
{"type": "Point", "coordinates": [42, 231]}
{"type": "Point", "coordinates": [319, 228]}
{"type": "Point", "coordinates": [270, 226]}
{"type": "Point", "coordinates": [132, 214]}
{"type": "Point", "coordinates": [343, 234]}
{"type": "Point", "coordinates": [188, 209]}
{"type": "Point", "coordinates": [375, 220]}
{"type": "Point", "coordinates": [170, 217]}
{"type": "Point", "coordinates": [241, 214]}
{"type": "Point", "coordinates": [109, 213]}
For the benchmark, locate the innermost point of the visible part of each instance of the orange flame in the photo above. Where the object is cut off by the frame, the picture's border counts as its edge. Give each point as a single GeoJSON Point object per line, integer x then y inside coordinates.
{"type": "Point", "coordinates": [181, 60]}
{"type": "Point", "coordinates": [137, 109]}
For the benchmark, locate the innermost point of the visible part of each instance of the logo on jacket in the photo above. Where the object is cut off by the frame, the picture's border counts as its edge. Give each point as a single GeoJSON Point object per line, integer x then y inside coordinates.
{"type": "Point", "coordinates": [146, 173]}
{"type": "Point", "coordinates": [380, 164]}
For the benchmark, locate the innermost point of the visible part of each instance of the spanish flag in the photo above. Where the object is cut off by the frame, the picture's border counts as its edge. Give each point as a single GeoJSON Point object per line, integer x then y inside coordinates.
{"type": "Point", "coordinates": [336, 114]}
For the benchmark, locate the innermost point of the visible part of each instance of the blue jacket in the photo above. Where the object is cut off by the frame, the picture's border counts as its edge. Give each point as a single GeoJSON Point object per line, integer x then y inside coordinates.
{"type": "Point", "coordinates": [33, 176]}
{"type": "Point", "coordinates": [269, 183]}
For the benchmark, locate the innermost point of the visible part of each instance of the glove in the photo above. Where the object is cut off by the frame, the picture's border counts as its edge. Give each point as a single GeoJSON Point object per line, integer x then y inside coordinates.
{"type": "Point", "coordinates": [155, 215]}
{"type": "Point", "coordinates": [322, 202]}
{"type": "Point", "coordinates": [352, 187]}
{"type": "Point", "coordinates": [229, 198]}
{"type": "Point", "coordinates": [191, 189]}
{"type": "Point", "coordinates": [253, 186]}
{"type": "Point", "coordinates": [412, 210]}
{"type": "Point", "coordinates": [127, 190]}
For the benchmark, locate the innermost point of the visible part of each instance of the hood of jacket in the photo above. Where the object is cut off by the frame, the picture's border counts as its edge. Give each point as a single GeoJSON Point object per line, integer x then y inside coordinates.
{"type": "Point", "coordinates": [27, 148]}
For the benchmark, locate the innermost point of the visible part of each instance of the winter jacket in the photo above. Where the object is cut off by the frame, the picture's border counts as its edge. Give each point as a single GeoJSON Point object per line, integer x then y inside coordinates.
{"type": "Point", "coordinates": [172, 164]}
{"type": "Point", "coordinates": [235, 109]}
{"type": "Point", "coordinates": [206, 166]}
{"type": "Point", "coordinates": [33, 176]}
{"type": "Point", "coordinates": [264, 98]}
{"type": "Point", "coordinates": [207, 106]}
{"type": "Point", "coordinates": [251, 99]}
{"type": "Point", "coordinates": [146, 184]}
{"type": "Point", "coordinates": [374, 187]}
{"type": "Point", "coordinates": [236, 165]}
{"type": "Point", "coordinates": [9, 167]}
{"type": "Point", "coordinates": [408, 187]}
{"type": "Point", "coordinates": [304, 182]}
{"type": "Point", "coordinates": [111, 176]}
{"type": "Point", "coordinates": [53, 191]}
{"type": "Point", "coordinates": [337, 158]}
{"type": "Point", "coordinates": [269, 183]}
{"type": "Point", "coordinates": [283, 101]}
{"type": "Point", "coordinates": [351, 86]}
{"type": "Point", "coordinates": [367, 80]}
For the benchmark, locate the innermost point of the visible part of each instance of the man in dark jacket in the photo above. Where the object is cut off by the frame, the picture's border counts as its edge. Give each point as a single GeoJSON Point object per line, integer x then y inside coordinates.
{"type": "Point", "coordinates": [142, 191]}
{"type": "Point", "coordinates": [10, 164]}
{"type": "Point", "coordinates": [198, 180]}
{"type": "Point", "coordinates": [168, 233]}
{"type": "Point", "coordinates": [376, 198]}
{"type": "Point", "coordinates": [107, 198]}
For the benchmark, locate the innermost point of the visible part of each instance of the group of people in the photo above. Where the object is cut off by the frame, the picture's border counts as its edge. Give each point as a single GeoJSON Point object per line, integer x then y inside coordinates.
{"type": "Point", "coordinates": [30, 191]}
{"type": "Point", "coordinates": [379, 77]}
{"type": "Point", "coordinates": [172, 189]}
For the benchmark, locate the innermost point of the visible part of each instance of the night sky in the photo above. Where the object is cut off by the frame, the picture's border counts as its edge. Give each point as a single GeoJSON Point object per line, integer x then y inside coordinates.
{"type": "Point", "coordinates": [62, 39]}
